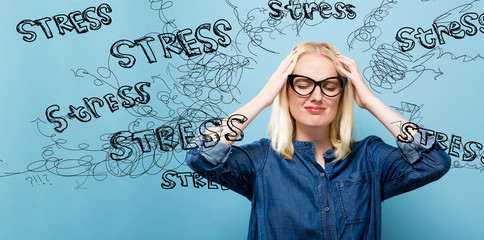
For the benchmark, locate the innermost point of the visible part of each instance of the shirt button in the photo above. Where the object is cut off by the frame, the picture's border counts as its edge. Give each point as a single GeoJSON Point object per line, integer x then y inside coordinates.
{"type": "Point", "coordinates": [326, 209]}
{"type": "Point", "coordinates": [322, 174]}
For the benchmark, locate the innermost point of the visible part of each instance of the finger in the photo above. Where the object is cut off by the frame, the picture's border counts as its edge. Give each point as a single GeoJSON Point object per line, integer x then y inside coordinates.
{"type": "Point", "coordinates": [345, 58]}
{"type": "Point", "coordinates": [351, 69]}
{"type": "Point", "coordinates": [344, 71]}
{"type": "Point", "coordinates": [287, 64]}
{"type": "Point", "coordinates": [291, 55]}
{"type": "Point", "coordinates": [291, 66]}
{"type": "Point", "coordinates": [350, 63]}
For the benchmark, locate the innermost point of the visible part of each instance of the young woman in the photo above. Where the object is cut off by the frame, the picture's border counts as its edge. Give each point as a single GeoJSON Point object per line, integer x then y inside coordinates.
{"type": "Point", "coordinates": [310, 180]}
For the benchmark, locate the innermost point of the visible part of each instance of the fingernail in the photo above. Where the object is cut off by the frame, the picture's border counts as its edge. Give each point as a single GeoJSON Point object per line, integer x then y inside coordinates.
{"type": "Point", "coordinates": [294, 48]}
{"type": "Point", "coordinates": [292, 60]}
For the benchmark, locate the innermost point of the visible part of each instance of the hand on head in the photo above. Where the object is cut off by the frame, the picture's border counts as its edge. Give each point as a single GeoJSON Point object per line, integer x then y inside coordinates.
{"type": "Point", "coordinates": [350, 70]}
{"type": "Point", "coordinates": [279, 78]}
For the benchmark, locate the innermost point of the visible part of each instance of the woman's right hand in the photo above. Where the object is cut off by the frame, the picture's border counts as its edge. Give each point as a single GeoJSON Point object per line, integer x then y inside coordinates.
{"type": "Point", "coordinates": [278, 79]}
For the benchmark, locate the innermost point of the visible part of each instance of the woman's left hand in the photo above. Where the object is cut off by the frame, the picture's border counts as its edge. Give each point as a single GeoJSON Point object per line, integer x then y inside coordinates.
{"type": "Point", "coordinates": [349, 69]}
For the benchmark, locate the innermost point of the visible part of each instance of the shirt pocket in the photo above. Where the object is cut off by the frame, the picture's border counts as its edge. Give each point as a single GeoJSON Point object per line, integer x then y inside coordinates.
{"type": "Point", "coordinates": [354, 197]}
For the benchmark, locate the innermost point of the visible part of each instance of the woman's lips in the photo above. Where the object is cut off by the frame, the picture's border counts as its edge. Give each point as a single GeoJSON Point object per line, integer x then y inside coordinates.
{"type": "Point", "coordinates": [314, 109]}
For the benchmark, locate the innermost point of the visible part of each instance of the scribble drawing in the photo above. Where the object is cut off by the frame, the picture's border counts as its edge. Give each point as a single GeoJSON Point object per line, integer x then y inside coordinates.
{"type": "Point", "coordinates": [161, 6]}
{"type": "Point", "coordinates": [410, 111]}
{"type": "Point", "coordinates": [255, 31]}
{"type": "Point", "coordinates": [391, 69]}
{"type": "Point", "coordinates": [456, 24]}
{"type": "Point", "coordinates": [459, 165]}
{"type": "Point", "coordinates": [186, 95]}
{"type": "Point", "coordinates": [455, 14]}
{"type": "Point", "coordinates": [183, 97]}
{"type": "Point", "coordinates": [103, 76]}
{"type": "Point", "coordinates": [258, 28]}
{"type": "Point", "coordinates": [196, 91]}
{"type": "Point", "coordinates": [370, 31]}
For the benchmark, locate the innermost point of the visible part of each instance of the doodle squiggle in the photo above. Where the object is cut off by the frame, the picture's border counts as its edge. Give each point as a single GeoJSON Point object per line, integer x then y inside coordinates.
{"type": "Point", "coordinates": [389, 68]}
{"type": "Point", "coordinates": [370, 31]}
{"type": "Point", "coordinates": [191, 92]}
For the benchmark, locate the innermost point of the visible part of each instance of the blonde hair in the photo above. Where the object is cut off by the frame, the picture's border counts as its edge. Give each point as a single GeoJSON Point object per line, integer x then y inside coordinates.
{"type": "Point", "coordinates": [282, 128]}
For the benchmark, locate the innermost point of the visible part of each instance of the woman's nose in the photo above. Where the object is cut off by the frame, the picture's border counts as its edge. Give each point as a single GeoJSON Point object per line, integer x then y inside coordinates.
{"type": "Point", "coordinates": [317, 94]}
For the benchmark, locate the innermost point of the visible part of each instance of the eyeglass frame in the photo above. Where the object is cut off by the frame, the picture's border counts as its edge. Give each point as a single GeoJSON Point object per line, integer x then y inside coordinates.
{"type": "Point", "coordinates": [290, 79]}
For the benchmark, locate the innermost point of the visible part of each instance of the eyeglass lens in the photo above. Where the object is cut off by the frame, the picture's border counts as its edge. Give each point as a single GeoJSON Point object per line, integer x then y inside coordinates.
{"type": "Point", "coordinates": [330, 87]}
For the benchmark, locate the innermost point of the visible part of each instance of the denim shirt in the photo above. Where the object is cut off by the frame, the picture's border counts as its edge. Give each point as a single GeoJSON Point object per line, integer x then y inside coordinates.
{"type": "Point", "coordinates": [298, 199]}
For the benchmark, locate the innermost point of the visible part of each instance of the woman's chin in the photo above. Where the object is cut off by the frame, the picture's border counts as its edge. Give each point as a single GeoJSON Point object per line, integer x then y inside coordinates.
{"type": "Point", "coordinates": [316, 124]}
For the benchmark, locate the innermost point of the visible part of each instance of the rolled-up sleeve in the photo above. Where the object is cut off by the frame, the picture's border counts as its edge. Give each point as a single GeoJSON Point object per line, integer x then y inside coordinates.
{"type": "Point", "coordinates": [231, 166]}
{"type": "Point", "coordinates": [412, 151]}
{"type": "Point", "coordinates": [216, 154]}
{"type": "Point", "coordinates": [410, 166]}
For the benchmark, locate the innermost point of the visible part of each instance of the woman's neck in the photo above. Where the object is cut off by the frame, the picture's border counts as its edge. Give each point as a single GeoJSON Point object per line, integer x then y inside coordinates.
{"type": "Point", "coordinates": [319, 136]}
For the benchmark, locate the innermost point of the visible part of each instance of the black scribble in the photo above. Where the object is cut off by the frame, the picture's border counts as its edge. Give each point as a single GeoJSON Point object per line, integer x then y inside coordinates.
{"type": "Point", "coordinates": [218, 74]}
{"type": "Point", "coordinates": [459, 165]}
{"type": "Point", "coordinates": [464, 57]}
{"type": "Point", "coordinates": [102, 76]}
{"type": "Point", "coordinates": [391, 69]}
{"type": "Point", "coordinates": [370, 31]}
{"type": "Point", "coordinates": [443, 28]}
{"type": "Point", "coordinates": [410, 111]}
{"type": "Point", "coordinates": [254, 31]}
{"type": "Point", "coordinates": [205, 82]}
{"type": "Point", "coordinates": [455, 11]}
{"type": "Point", "coordinates": [90, 161]}
{"type": "Point", "coordinates": [187, 95]}
{"type": "Point", "coordinates": [184, 95]}
{"type": "Point", "coordinates": [161, 6]}
{"type": "Point", "coordinates": [93, 161]}
{"type": "Point", "coordinates": [455, 14]}
{"type": "Point", "coordinates": [259, 27]}
{"type": "Point", "coordinates": [79, 186]}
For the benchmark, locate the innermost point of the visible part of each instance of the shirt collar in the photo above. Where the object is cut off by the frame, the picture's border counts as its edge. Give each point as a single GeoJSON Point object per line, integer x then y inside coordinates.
{"type": "Point", "coordinates": [302, 144]}
{"type": "Point", "coordinates": [328, 155]}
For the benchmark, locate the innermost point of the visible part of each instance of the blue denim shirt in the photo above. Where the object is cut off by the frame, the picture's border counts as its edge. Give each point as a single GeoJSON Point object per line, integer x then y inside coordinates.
{"type": "Point", "coordinates": [298, 199]}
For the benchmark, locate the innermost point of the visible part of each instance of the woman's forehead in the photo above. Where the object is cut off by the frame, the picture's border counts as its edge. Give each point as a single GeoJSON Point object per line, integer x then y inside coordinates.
{"type": "Point", "coordinates": [316, 66]}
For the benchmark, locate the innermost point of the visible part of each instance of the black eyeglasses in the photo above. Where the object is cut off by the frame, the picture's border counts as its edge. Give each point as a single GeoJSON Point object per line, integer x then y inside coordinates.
{"type": "Point", "coordinates": [304, 86]}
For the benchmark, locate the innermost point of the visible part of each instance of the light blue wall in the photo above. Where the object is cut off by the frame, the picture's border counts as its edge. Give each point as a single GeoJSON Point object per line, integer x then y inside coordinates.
{"type": "Point", "coordinates": [65, 186]}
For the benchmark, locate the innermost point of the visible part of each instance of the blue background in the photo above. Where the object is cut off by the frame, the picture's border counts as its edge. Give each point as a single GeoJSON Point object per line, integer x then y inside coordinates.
{"type": "Point", "coordinates": [73, 200]}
